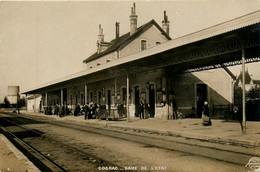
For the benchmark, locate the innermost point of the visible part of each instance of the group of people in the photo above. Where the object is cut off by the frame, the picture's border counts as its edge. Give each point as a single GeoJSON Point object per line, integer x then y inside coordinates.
{"type": "Point", "coordinates": [144, 110]}
{"type": "Point", "coordinates": [90, 110]}
{"type": "Point", "coordinates": [59, 110]}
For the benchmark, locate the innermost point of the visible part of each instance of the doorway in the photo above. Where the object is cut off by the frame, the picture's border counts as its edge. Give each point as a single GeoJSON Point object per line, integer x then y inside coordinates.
{"type": "Point", "coordinates": [71, 100]}
{"type": "Point", "coordinates": [109, 101]}
{"type": "Point", "coordinates": [124, 96]}
{"type": "Point", "coordinates": [137, 101]}
{"type": "Point", "coordinates": [99, 98]}
{"type": "Point", "coordinates": [65, 99]}
{"type": "Point", "coordinates": [201, 92]}
{"type": "Point", "coordinates": [91, 96]}
{"type": "Point", "coordinates": [152, 100]}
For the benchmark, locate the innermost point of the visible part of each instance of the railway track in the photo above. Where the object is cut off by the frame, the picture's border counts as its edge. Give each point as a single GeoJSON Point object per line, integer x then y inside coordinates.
{"type": "Point", "coordinates": [45, 159]}
{"type": "Point", "coordinates": [171, 144]}
{"type": "Point", "coordinates": [41, 161]}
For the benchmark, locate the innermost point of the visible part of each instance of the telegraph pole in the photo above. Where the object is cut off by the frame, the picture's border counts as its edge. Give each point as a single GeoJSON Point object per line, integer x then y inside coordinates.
{"type": "Point", "coordinates": [243, 91]}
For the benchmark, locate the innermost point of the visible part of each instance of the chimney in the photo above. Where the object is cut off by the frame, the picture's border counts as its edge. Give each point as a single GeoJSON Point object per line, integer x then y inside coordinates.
{"type": "Point", "coordinates": [101, 44]}
{"type": "Point", "coordinates": [166, 24]}
{"type": "Point", "coordinates": [100, 39]}
{"type": "Point", "coordinates": [101, 35]}
{"type": "Point", "coordinates": [117, 30]}
{"type": "Point", "coordinates": [133, 20]}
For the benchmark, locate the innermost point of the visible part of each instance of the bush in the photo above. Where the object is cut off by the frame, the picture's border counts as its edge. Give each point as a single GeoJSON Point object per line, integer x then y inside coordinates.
{"type": "Point", "coordinates": [6, 103]}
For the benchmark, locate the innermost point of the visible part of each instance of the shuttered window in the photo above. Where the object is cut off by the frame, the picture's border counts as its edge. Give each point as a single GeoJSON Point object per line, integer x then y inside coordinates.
{"type": "Point", "coordinates": [143, 45]}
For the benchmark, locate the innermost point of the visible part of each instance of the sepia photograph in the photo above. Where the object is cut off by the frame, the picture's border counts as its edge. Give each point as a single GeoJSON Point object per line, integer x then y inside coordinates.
{"type": "Point", "coordinates": [147, 85]}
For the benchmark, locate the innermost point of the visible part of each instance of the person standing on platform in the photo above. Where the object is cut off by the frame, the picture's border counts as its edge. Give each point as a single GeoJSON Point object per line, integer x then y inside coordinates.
{"type": "Point", "coordinates": [77, 110]}
{"type": "Point", "coordinates": [146, 110]}
{"type": "Point", "coordinates": [142, 110]}
{"type": "Point", "coordinates": [205, 114]}
{"type": "Point", "coordinates": [174, 109]}
{"type": "Point", "coordinates": [61, 111]}
{"type": "Point", "coordinates": [87, 110]}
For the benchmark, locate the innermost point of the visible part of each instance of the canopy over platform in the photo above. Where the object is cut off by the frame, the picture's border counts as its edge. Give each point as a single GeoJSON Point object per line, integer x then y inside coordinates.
{"type": "Point", "coordinates": [213, 47]}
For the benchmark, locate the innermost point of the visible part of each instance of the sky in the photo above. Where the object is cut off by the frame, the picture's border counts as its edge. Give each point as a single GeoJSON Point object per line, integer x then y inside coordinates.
{"type": "Point", "coordinates": [44, 41]}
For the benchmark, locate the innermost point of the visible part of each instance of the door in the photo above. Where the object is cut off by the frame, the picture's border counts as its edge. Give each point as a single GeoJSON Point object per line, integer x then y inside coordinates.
{"type": "Point", "coordinates": [124, 101]}
{"type": "Point", "coordinates": [201, 92]}
{"type": "Point", "coordinates": [109, 101]}
{"type": "Point", "coordinates": [152, 100]}
{"type": "Point", "coordinates": [124, 96]}
{"type": "Point", "coordinates": [71, 100]}
{"type": "Point", "coordinates": [91, 96]}
{"type": "Point", "coordinates": [99, 97]}
{"type": "Point", "coordinates": [137, 101]}
{"type": "Point", "coordinates": [65, 96]}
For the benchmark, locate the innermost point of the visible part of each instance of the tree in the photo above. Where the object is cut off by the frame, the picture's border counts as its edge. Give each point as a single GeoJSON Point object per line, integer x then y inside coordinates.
{"type": "Point", "coordinates": [6, 103]}
{"type": "Point", "coordinates": [253, 94]}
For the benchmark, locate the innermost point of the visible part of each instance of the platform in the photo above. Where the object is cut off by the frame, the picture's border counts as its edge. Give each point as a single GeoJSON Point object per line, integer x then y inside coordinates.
{"type": "Point", "coordinates": [11, 159]}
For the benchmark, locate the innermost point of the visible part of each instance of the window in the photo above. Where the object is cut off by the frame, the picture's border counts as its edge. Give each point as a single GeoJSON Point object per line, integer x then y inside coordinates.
{"type": "Point", "coordinates": [158, 43]}
{"type": "Point", "coordinates": [91, 96]}
{"type": "Point", "coordinates": [98, 64]}
{"type": "Point", "coordinates": [143, 45]}
{"type": "Point", "coordinates": [107, 60]}
{"type": "Point", "coordinates": [90, 67]}
{"type": "Point", "coordinates": [81, 99]}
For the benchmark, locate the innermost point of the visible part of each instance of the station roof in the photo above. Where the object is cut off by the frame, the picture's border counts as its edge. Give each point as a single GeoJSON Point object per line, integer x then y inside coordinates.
{"type": "Point", "coordinates": [219, 29]}
{"type": "Point", "coordinates": [32, 97]}
{"type": "Point", "coordinates": [125, 39]}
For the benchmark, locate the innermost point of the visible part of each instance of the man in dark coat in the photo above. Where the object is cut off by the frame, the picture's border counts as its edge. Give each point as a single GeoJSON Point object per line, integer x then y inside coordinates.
{"type": "Point", "coordinates": [18, 106]}
{"type": "Point", "coordinates": [49, 110]}
{"type": "Point", "coordinates": [87, 110]}
{"type": "Point", "coordinates": [77, 110]}
{"type": "Point", "coordinates": [56, 109]}
{"type": "Point", "coordinates": [120, 109]}
{"type": "Point", "coordinates": [95, 110]}
{"type": "Point", "coordinates": [61, 111]}
{"type": "Point", "coordinates": [142, 110]}
{"type": "Point", "coordinates": [146, 110]}
{"type": "Point", "coordinates": [174, 109]}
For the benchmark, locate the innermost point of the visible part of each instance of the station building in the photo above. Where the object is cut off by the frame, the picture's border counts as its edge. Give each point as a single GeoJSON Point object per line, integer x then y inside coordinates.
{"type": "Point", "coordinates": [34, 102]}
{"type": "Point", "coordinates": [146, 65]}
